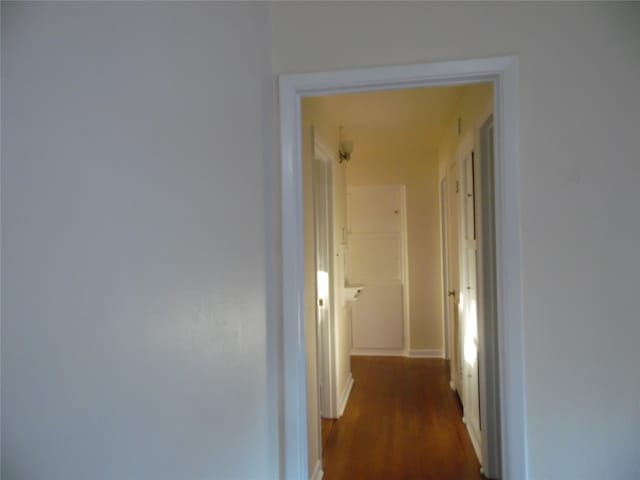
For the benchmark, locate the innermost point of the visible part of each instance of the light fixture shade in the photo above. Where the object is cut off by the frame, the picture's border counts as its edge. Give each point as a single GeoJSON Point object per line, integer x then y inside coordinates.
{"type": "Point", "coordinates": [346, 146]}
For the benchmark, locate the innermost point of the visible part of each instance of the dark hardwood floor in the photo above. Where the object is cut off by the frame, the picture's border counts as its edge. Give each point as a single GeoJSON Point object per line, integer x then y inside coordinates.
{"type": "Point", "coordinates": [402, 422]}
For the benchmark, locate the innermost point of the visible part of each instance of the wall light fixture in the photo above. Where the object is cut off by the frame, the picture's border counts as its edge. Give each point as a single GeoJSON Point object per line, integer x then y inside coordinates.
{"type": "Point", "coordinates": [345, 147]}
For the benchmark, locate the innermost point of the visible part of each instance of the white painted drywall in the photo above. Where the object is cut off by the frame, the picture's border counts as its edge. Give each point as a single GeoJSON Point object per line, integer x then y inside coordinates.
{"type": "Point", "coordinates": [140, 268]}
{"type": "Point", "coordinates": [138, 248]}
{"type": "Point", "coordinates": [579, 72]}
{"type": "Point", "coordinates": [470, 111]}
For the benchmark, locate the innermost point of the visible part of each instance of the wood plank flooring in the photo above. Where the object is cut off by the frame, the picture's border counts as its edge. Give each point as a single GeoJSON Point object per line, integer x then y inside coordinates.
{"type": "Point", "coordinates": [402, 422]}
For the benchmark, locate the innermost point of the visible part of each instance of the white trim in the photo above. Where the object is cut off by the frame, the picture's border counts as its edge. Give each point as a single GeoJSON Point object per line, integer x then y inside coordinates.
{"type": "Point", "coordinates": [503, 72]}
{"type": "Point", "coordinates": [317, 471]}
{"type": "Point", "coordinates": [404, 241]}
{"type": "Point", "coordinates": [509, 272]}
{"type": "Point", "coordinates": [475, 441]}
{"type": "Point", "coordinates": [443, 192]}
{"type": "Point", "coordinates": [412, 353]}
{"type": "Point", "coordinates": [426, 353]}
{"type": "Point", "coordinates": [344, 398]}
{"type": "Point", "coordinates": [294, 403]}
{"type": "Point", "coordinates": [372, 352]}
{"type": "Point", "coordinates": [487, 282]}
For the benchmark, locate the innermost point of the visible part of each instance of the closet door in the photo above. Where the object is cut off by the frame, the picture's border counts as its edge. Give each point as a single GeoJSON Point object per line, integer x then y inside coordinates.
{"type": "Point", "coordinates": [375, 261]}
{"type": "Point", "coordinates": [469, 298]}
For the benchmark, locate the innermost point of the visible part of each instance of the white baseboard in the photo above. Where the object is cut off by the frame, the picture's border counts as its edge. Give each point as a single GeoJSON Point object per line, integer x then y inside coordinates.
{"type": "Point", "coordinates": [372, 352]}
{"type": "Point", "coordinates": [426, 353]}
{"type": "Point", "coordinates": [317, 472]}
{"type": "Point", "coordinates": [344, 398]}
{"type": "Point", "coordinates": [415, 353]}
{"type": "Point", "coordinates": [475, 441]}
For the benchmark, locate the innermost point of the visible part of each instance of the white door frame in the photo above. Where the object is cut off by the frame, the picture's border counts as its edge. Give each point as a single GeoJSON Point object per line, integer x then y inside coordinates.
{"type": "Point", "coordinates": [502, 71]}
{"type": "Point", "coordinates": [486, 293]}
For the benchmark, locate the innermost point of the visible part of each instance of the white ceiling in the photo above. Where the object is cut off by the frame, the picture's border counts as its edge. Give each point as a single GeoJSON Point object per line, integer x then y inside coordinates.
{"type": "Point", "coordinates": [429, 109]}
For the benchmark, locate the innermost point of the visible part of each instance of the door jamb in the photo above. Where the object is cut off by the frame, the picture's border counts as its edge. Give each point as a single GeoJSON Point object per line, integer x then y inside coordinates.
{"type": "Point", "coordinates": [502, 71]}
{"type": "Point", "coordinates": [325, 333]}
{"type": "Point", "coordinates": [444, 252]}
{"type": "Point", "coordinates": [486, 294]}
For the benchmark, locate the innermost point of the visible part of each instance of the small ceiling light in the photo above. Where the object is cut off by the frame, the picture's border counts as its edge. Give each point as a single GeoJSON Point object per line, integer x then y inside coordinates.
{"type": "Point", "coordinates": [345, 147]}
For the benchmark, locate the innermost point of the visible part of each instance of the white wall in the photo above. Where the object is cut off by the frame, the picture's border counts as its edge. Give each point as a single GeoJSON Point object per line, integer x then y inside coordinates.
{"type": "Point", "coordinates": [470, 110]}
{"type": "Point", "coordinates": [138, 246]}
{"type": "Point", "coordinates": [579, 75]}
{"type": "Point", "coordinates": [140, 217]}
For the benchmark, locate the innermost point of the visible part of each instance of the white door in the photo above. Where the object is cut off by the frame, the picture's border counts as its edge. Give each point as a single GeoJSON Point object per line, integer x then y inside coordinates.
{"type": "Point", "coordinates": [444, 233]}
{"type": "Point", "coordinates": [322, 204]}
{"type": "Point", "coordinates": [453, 275]}
{"type": "Point", "coordinates": [449, 275]}
{"type": "Point", "coordinates": [469, 299]}
{"type": "Point", "coordinates": [375, 244]}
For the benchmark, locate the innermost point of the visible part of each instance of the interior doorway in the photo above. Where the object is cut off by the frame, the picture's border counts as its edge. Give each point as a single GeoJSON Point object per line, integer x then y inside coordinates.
{"type": "Point", "coordinates": [509, 382]}
{"type": "Point", "coordinates": [406, 143]}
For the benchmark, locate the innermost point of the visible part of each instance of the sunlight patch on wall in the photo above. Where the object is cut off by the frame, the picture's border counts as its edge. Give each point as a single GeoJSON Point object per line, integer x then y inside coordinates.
{"type": "Point", "coordinates": [471, 335]}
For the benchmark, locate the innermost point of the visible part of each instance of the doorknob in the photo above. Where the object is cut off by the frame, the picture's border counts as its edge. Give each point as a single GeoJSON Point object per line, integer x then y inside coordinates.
{"type": "Point", "coordinates": [452, 293]}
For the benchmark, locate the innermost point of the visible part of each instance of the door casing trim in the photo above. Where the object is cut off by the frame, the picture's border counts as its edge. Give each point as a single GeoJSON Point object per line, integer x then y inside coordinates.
{"type": "Point", "coordinates": [502, 71]}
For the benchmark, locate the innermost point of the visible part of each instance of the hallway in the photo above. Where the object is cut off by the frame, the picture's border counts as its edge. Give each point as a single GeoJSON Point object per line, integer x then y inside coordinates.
{"type": "Point", "coordinates": [401, 422]}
